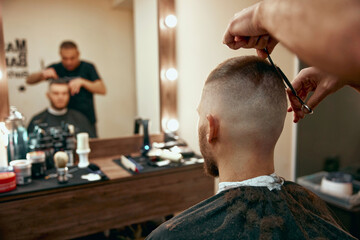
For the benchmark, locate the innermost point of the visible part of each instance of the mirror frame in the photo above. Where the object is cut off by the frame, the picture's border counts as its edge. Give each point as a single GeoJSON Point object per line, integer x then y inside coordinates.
{"type": "Point", "coordinates": [167, 59]}
{"type": "Point", "coordinates": [4, 91]}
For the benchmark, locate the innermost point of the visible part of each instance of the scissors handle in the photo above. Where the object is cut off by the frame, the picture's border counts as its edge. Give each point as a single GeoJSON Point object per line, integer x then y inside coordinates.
{"type": "Point", "coordinates": [287, 82]}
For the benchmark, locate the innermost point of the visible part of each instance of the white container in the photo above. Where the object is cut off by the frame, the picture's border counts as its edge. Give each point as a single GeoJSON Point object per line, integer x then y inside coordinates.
{"type": "Point", "coordinates": [337, 186]}
{"type": "Point", "coordinates": [83, 158]}
{"type": "Point", "coordinates": [313, 183]}
{"type": "Point", "coordinates": [82, 141]}
{"type": "Point", "coordinates": [22, 169]}
{"type": "Point", "coordinates": [83, 149]}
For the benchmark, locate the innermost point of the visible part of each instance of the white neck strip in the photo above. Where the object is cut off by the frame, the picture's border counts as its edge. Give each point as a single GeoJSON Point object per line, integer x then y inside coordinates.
{"type": "Point", "coordinates": [55, 112]}
{"type": "Point", "coordinates": [272, 182]}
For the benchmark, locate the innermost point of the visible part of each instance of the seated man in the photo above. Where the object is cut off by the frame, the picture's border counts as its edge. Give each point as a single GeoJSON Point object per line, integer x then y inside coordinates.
{"type": "Point", "coordinates": [241, 116]}
{"type": "Point", "coordinates": [58, 112]}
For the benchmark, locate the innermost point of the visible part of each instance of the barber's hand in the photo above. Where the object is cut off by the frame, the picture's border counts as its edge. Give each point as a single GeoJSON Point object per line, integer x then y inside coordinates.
{"type": "Point", "coordinates": [244, 32]}
{"type": "Point", "coordinates": [311, 80]}
{"type": "Point", "coordinates": [75, 85]}
{"type": "Point", "coordinates": [49, 73]}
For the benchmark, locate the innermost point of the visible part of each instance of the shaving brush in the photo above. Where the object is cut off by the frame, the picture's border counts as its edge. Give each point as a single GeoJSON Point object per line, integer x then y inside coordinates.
{"type": "Point", "coordinates": [61, 159]}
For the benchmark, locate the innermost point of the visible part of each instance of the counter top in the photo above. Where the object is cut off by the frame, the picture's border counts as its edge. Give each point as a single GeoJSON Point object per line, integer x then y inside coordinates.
{"type": "Point", "coordinates": [75, 211]}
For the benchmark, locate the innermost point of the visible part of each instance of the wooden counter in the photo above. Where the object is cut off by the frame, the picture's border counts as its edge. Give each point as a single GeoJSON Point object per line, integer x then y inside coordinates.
{"type": "Point", "coordinates": [65, 213]}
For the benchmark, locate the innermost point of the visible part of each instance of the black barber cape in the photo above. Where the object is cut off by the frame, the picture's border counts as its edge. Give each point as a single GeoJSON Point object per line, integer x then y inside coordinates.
{"type": "Point", "coordinates": [80, 122]}
{"type": "Point", "coordinates": [255, 213]}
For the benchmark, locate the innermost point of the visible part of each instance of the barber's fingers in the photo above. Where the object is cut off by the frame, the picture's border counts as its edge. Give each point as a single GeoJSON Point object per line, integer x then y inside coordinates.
{"type": "Point", "coordinates": [298, 114]}
{"type": "Point", "coordinates": [245, 42]}
{"type": "Point", "coordinates": [325, 87]}
{"type": "Point", "coordinates": [312, 80]}
{"type": "Point", "coordinates": [303, 84]}
{"type": "Point", "coordinates": [50, 73]}
{"type": "Point", "coordinates": [242, 24]}
{"type": "Point", "coordinates": [270, 45]}
{"type": "Point", "coordinates": [254, 42]}
{"type": "Point", "coordinates": [74, 91]}
{"type": "Point", "coordinates": [229, 40]}
{"type": "Point", "coordinates": [257, 42]}
{"type": "Point", "coordinates": [262, 42]}
{"type": "Point", "coordinates": [237, 42]}
{"type": "Point", "coordinates": [320, 92]}
{"type": "Point", "coordinates": [295, 106]}
{"type": "Point", "coordinates": [54, 74]}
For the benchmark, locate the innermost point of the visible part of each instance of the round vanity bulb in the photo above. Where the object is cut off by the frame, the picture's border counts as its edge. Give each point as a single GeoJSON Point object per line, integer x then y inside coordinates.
{"type": "Point", "coordinates": [171, 74]}
{"type": "Point", "coordinates": [172, 125]}
{"type": "Point", "coordinates": [1, 75]}
{"type": "Point", "coordinates": [171, 21]}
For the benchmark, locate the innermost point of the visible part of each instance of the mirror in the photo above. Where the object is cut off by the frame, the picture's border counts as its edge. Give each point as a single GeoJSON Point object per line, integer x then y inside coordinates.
{"type": "Point", "coordinates": [104, 31]}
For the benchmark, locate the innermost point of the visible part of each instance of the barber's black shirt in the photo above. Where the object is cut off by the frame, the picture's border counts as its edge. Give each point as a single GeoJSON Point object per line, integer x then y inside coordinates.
{"type": "Point", "coordinates": [83, 101]}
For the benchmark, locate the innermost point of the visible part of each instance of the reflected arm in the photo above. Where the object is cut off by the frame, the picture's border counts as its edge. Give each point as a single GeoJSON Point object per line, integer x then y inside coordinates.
{"type": "Point", "coordinates": [43, 75]}
{"type": "Point", "coordinates": [35, 78]}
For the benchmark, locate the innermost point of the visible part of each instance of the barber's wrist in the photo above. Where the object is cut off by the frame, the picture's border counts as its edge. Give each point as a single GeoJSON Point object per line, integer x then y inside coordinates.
{"type": "Point", "coordinates": [83, 82]}
{"type": "Point", "coordinates": [42, 76]}
{"type": "Point", "coordinates": [258, 16]}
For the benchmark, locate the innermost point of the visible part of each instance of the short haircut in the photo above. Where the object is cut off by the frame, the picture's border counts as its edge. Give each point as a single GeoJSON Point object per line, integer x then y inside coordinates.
{"type": "Point", "coordinates": [68, 45]}
{"type": "Point", "coordinates": [248, 92]}
{"type": "Point", "coordinates": [58, 81]}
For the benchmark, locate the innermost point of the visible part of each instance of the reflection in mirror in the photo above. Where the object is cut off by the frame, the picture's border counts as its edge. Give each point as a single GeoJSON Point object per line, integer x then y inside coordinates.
{"type": "Point", "coordinates": [104, 33]}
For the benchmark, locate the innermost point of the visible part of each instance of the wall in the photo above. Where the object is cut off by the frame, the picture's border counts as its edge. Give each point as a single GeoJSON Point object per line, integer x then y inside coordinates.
{"type": "Point", "coordinates": [201, 25]}
{"type": "Point", "coordinates": [332, 131]}
{"type": "Point", "coordinates": [105, 37]}
{"type": "Point", "coordinates": [147, 62]}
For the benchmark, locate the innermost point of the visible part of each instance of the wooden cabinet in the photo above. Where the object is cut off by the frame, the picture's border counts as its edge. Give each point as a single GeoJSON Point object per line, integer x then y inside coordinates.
{"type": "Point", "coordinates": [65, 213]}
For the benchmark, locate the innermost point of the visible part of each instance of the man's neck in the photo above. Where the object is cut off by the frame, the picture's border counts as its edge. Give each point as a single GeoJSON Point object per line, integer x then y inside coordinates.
{"type": "Point", "coordinates": [241, 165]}
{"type": "Point", "coordinates": [57, 112]}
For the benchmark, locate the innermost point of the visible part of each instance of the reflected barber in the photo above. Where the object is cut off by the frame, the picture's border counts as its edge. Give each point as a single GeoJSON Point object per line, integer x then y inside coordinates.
{"type": "Point", "coordinates": [83, 79]}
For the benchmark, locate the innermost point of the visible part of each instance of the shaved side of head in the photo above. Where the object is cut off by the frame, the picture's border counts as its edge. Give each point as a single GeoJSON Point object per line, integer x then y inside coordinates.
{"type": "Point", "coordinates": [249, 99]}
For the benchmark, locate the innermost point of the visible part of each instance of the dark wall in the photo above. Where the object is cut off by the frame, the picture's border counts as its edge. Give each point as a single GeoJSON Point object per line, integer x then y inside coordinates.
{"type": "Point", "coordinates": [333, 130]}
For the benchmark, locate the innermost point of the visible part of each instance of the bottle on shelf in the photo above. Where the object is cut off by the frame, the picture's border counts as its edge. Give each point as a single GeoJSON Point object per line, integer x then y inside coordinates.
{"type": "Point", "coordinates": [18, 136]}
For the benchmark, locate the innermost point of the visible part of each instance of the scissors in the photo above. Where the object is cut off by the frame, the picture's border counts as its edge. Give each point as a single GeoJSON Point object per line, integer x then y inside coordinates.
{"type": "Point", "coordinates": [282, 75]}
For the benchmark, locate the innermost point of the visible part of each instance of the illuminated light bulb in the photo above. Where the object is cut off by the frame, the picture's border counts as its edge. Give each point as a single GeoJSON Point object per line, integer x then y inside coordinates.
{"type": "Point", "coordinates": [164, 121]}
{"type": "Point", "coordinates": [172, 125]}
{"type": "Point", "coordinates": [171, 21]}
{"type": "Point", "coordinates": [171, 74]}
{"type": "Point", "coordinates": [1, 75]}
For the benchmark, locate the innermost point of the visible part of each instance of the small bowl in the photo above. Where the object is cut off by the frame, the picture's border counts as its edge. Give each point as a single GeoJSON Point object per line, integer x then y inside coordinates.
{"type": "Point", "coordinates": [337, 184]}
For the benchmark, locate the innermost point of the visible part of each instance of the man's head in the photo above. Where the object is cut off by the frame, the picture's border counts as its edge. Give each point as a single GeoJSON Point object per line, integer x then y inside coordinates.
{"type": "Point", "coordinates": [58, 94]}
{"type": "Point", "coordinates": [242, 111]}
{"type": "Point", "coordinates": [70, 56]}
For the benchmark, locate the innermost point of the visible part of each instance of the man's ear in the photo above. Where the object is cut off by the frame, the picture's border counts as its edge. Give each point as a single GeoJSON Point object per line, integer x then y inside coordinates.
{"type": "Point", "coordinates": [213, 124]}
{"type": "Point", "coordinates": [48, 95]}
